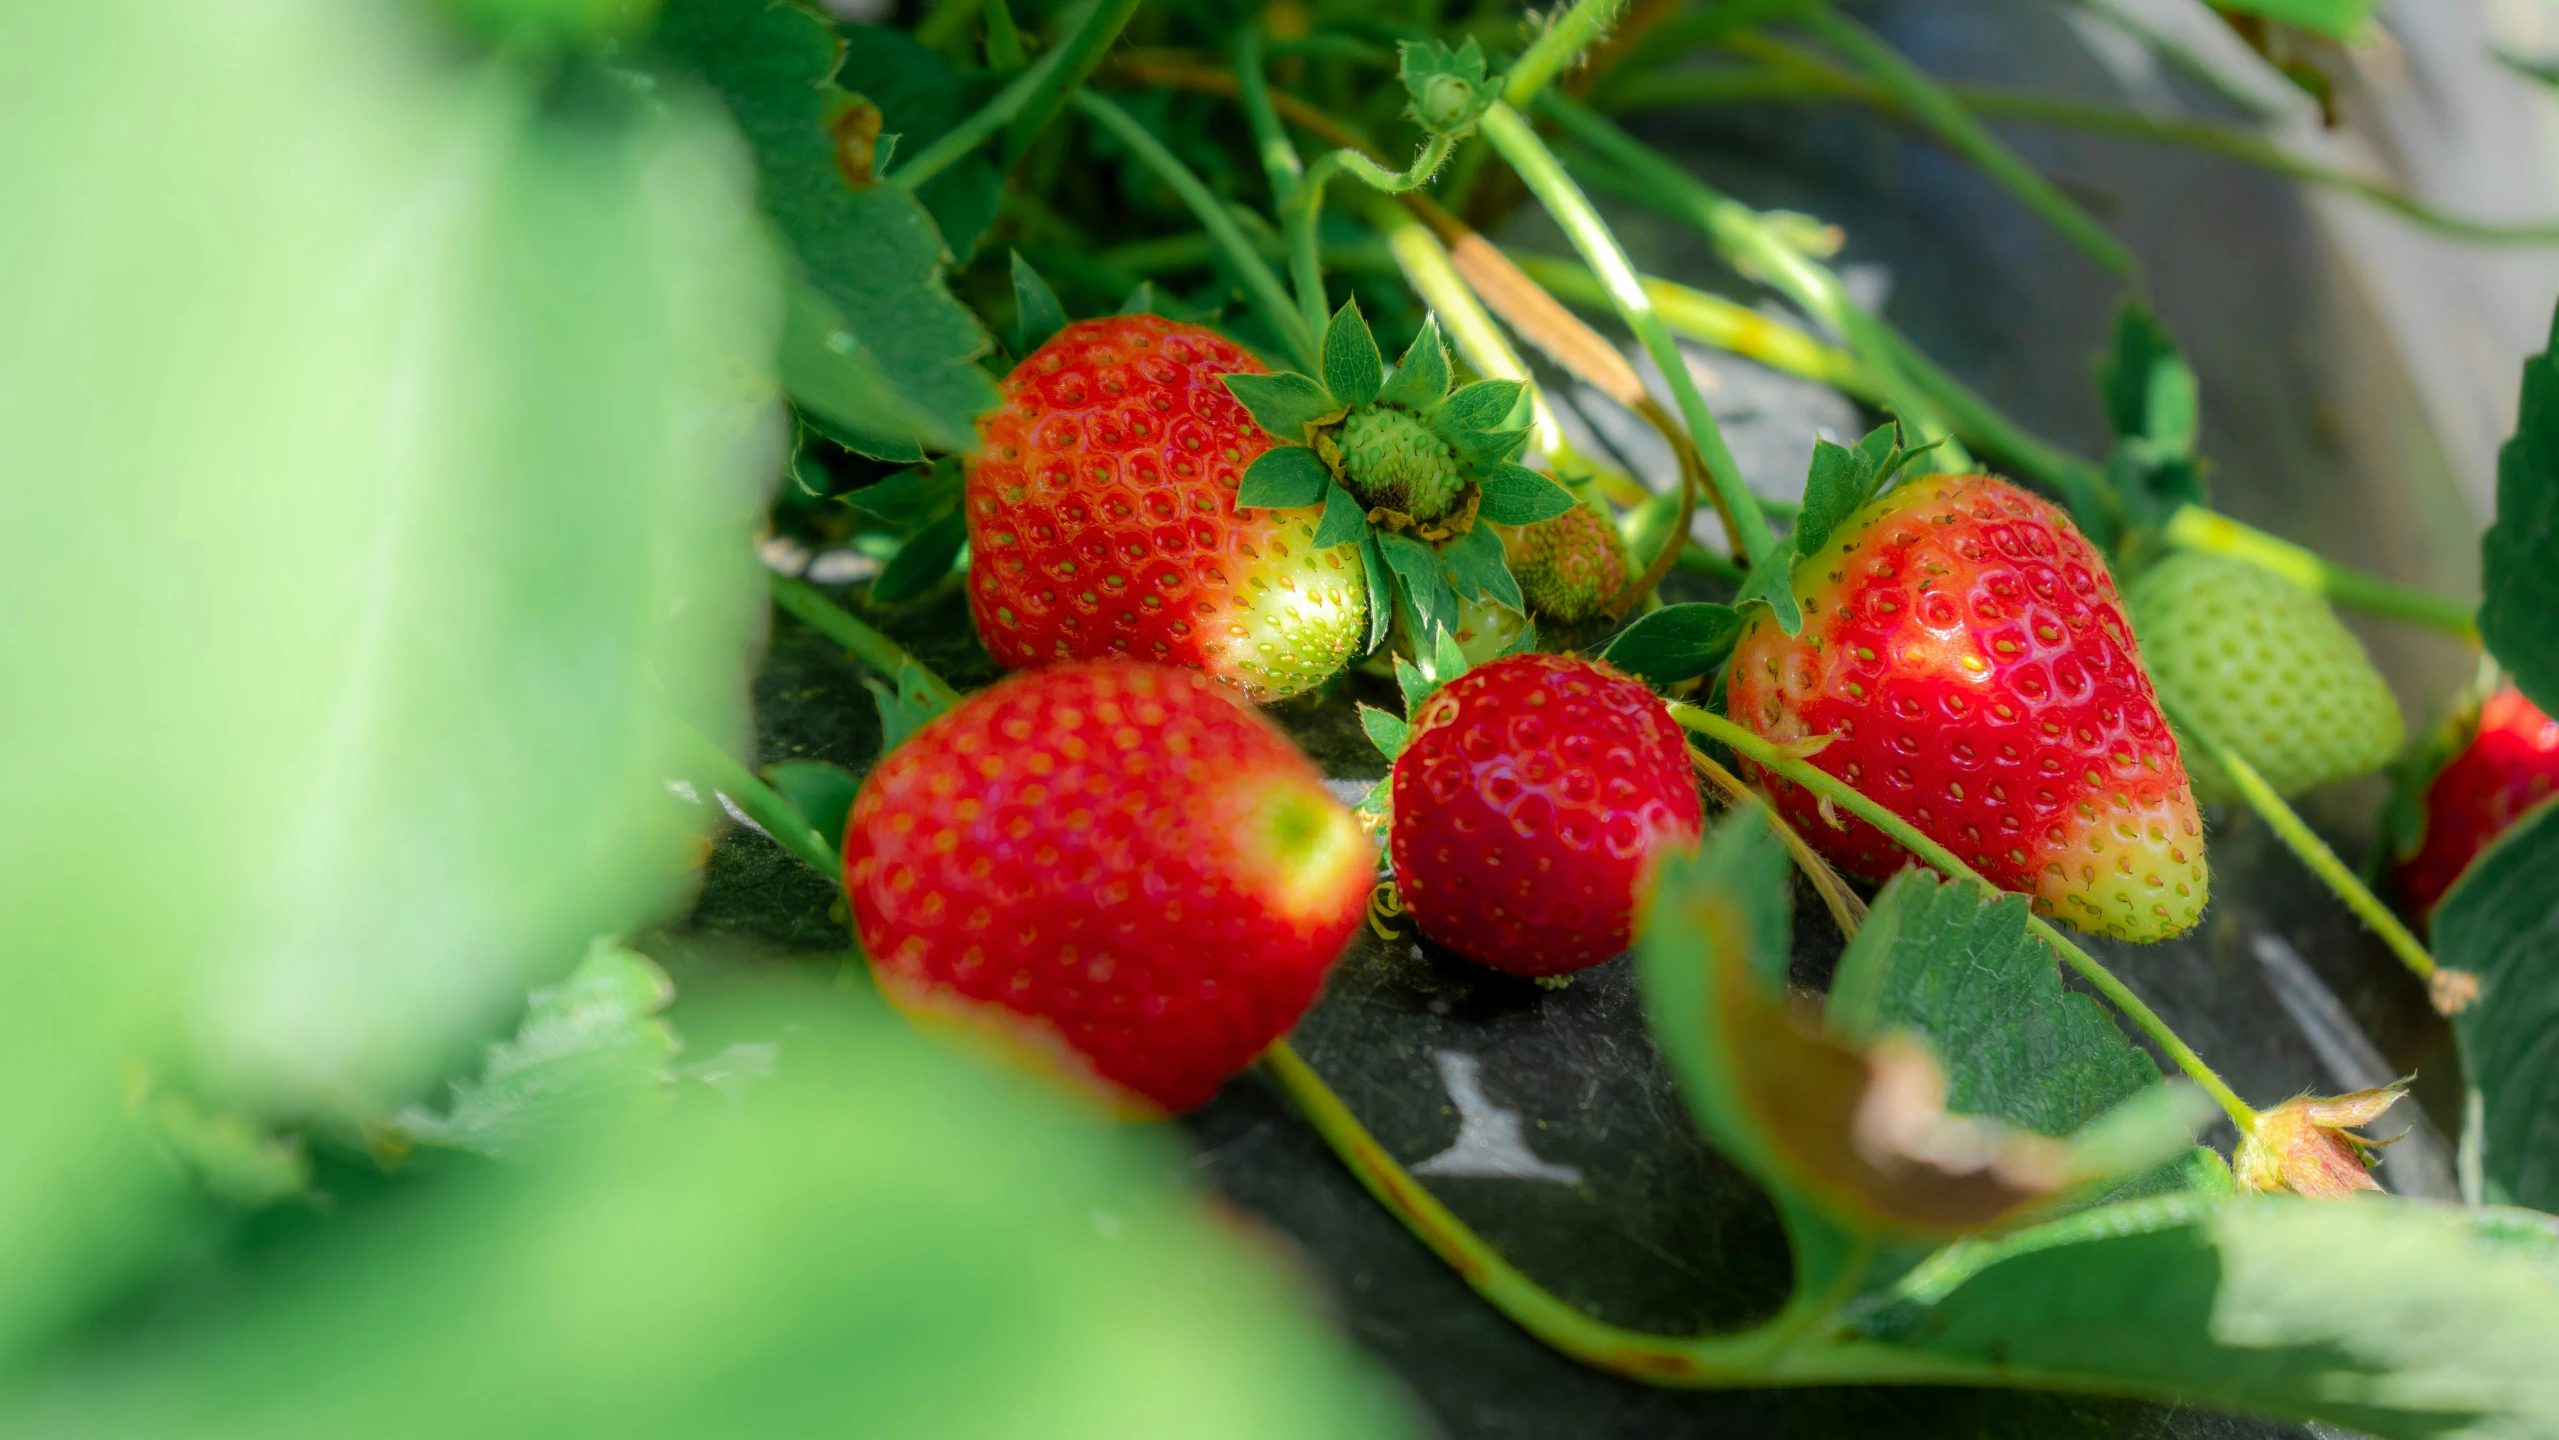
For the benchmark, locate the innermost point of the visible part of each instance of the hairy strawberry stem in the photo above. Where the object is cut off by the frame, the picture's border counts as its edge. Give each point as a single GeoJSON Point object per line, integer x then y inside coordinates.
{"type": "Point", "coordinates": [2314, 853]}
{"type": "Point", "coordinates": [1306, 212]}
{"type": "Point", "coordinates": [1823, 783]}
{"type": "Point", "coordinates": [2196, 528]}
{"type": "Point", "coordinates": [1561, 45]}
{"type": "Point", "coordinates": [868, 645]}
{"type": "Point", "coordinates": [1539, 170]}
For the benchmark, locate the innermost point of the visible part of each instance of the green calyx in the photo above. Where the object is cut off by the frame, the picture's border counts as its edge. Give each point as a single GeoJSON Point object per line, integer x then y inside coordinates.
{"type": "Point", "coordinates": [1402, 465]}
{"type": "Point", "coordinates": [1390, 459]}
{"type": "Point", "coordinates": [1449, 87]}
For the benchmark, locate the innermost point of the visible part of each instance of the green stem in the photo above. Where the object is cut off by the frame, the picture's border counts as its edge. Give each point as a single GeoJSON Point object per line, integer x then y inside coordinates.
{"type": "Point", "coordinates": [1305, 215]}
{"type": "Point", "coordinates": [2196, 528]}
{"type": "Point", "coordinates": [1951, 123]}
{"type": "Point", "coordinates": [1713, 320]}
{"type": "Point", "coordinates": [868, 645]}
{"type": "Point", "coordinates": [1671, 87]}
{"type": "Point", "coordinates": [1081, 52]}
{"type": "Point", "coordinates": [1560, 46]}
{"type": "Point", "coordinates": [1270, 138]}
{"type": "Point", "coordinates": [1757, 248]}
{"type": "Point", "coordinates": [1003, 38]}
{"type": "Point", "coordinates": [780, 818]}
{"type": "Point", "coordinates": [1263, 286]}
{"type": "Point", "coordinates": [957, 143]}
{"type": "Point", "coordinates": [1821, 782]}
{"type": "Point", "coordinates": [2305, 843]}
{"type": "Point", "coordinates": [945, 24]}
{"type": "Point", "coordinates": [1537, 167]}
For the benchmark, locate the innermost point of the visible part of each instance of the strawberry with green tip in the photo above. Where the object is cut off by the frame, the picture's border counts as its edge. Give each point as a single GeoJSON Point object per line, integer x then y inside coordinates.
{"type": "Point", "coordinates": [1401, 465]}
{"type": "Point", "coordinates": [1113, 870]}
{"type": "Point", "coordinates": [2265, 667]}
{"type": "Point", "coordinates": [1570, 567]}
{"type": "Point", "coordinates": [1531, 799]}
{"type": "Point", "coordinates": [1103, 519]}
{"type": "Point", "coordinates": [1965, 663]}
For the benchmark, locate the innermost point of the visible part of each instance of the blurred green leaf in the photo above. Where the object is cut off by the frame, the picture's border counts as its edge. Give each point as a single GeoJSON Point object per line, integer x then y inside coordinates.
{"type": "Point", "coordinates": [2500, 922]}
{"type": "Point", "coordinates": [235, 1158]}
{"type": "Point", "coordinates": [2519, 557]}
{"type": "Point", "coordinates": [874, 253]}
{"type": "Point", "coordinates": [911, 499]}
{"type": "Point", "coordinates": [468, 406]}
{"type": "Point", "coordinates": [1676, 642]}
{"type": "Point", "coordinates": [1036, 313]}
{"type": "Point", "coordinates": [2154, 407]}
{"type": "Point", "coordinates": [920, 96]}
{"type": "Point", "coordinates": [586, 1041]}
{"type": "Point", "coordinates": [922, 561]}
{"type": "Point", "coordinates": [881, 1239]}
{"type": "Point", "coordinates": [2389, 1317]}
{"type": "Point", "coordinates": [824, 792]}
{"type": "Point", "coordinates": [2336, 19]}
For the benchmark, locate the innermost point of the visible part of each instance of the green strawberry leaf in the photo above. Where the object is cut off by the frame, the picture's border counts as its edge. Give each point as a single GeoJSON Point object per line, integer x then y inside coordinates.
{"type": "Point", "coordinates": [922, 561]}
{"type": "Point", "coordinates": [1480, 408]}
{"type": "Point", "coordinates": [1843, 479]}
{"type": "Point", "coordinates": [1416, 686]}
{"type": "Point", "coordinates": [875, 253]}
{"type": "Point", "coordinates": [1344, 521]}
{"type": "Point", "coordinates": [1353, 370]}
{"type": "Point", "coordinates": [920, 96]}
{"type": "Point", "coordinates": [1036, 313]}
{"type": "Point", "coordinates": [1771, 583]}
{"type": "Point", "coordinates": [903, 711]}
{"type": "Point", "coordinates": [1388, 733]}
{"type": "Point", "coordinates": [838, 385]}
{"type": "Point", "coordinates": [911, 499]}
{"type": "Point", "coordinates": [1285, 404]}
{"type": "Point", "coordinates": [2387, 1317]}
{"type": "Point", "coordinates": [1140, 301]}
{"type": "Point", "coordinates": [1448, 658]}
{"type": "Point", "coordinates": [1417, 573]}
{"type": "Point", "coordinates": [591, 1038]}
{"type": "Point", "coordinates": [1420, 380]}
{"type": "Point", "coordinates": [1956, 964]}
{"type": "Point", "coordinates": [1517, 495]}
{"type": "Point", "coordinates": [1482, 450]}
{"type": "Point", "coordinates": [1477, 569]}
{"type": "Point", "coordinates": [2153, 404]}
{"type": "Point", "coordinates": [1675, 643]}
{"type": "Point", "coordinates": [2500, 922]}
{"type": "Point", "coordinates": [1381, 589]}
{"type": "Point", "coordinates": [2519, 558]}
{"type": "Point", "coordinates": [824, 792]}
{"type": "Point", "coordinates": [1286, 477]}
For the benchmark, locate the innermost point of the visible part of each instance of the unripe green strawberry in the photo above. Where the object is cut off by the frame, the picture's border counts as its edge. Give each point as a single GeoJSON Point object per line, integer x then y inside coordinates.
{"type": "Point", "coordinates": [2263, 666]}
{"type": "Point", "coordinates": [1115, 870]}
{"type": "Point", "coordinates": [1964, 663]}
{"type": "Point", "coordinates": [1568, 567]}
{"type": "Point", "coordinates": [1102, 519]}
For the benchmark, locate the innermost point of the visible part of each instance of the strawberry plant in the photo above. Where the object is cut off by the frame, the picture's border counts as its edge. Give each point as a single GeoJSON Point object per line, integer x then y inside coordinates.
{"type": "Point", "coordinates": [687, 684]}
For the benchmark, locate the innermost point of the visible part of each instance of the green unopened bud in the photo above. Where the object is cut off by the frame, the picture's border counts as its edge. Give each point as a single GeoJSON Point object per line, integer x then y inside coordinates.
{"type": "Point", "coordinates": [1446, 102]}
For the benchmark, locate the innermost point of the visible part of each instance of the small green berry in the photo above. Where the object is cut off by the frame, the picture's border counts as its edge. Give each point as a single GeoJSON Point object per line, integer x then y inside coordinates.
{"type": "Point", "coordinates": [1391, 459]}
{"type": "Point", "coordinates": [1569, 566]}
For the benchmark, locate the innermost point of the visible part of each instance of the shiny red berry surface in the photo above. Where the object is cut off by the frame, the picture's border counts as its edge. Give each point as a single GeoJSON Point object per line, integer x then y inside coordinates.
{"type": "Point", "coordinates": [2509, 767]}
{"type": "Point", "coordinates": [1965, 662]}
{"type": "Point", "coordinates": [1102, 519]}
{"type": "Point", "coordinates": [1530, 802]}
{"type": "Point", "coordinates": [1116, 870]}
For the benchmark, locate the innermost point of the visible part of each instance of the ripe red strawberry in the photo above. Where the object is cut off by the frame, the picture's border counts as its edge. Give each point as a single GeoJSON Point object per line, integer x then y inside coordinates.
{"type": "Point", "coordinates": [2510, 766]}
{"type": "Point", "coordinates": [1113, 868]}
{"type": "Point", "coordinates": [1102, 519]}
{"type": "Point", "coordinates": [1530, 800]}
{"type": "Point", "coordinates": [1964, 647]}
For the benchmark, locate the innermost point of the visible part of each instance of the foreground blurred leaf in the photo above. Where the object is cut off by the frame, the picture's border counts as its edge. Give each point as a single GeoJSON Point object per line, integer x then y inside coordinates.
{"type": "Point", "coordinates": [584, 1041]}
{"type": "Point", "coordinates": [882, 1239]}
{"type": "Point", "coordinates": [2519, 557]}
{"type": "Point", "coordinates": [2387, 1316]}
{"type": "Point", "coordinates": [2500, 922]}
{"type": "Point", "coordinates": [874, 253]}
{"type": "Point", "coordinates": [2337, 19]}
{"type": "Point", "coordinates": [452, 423]}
